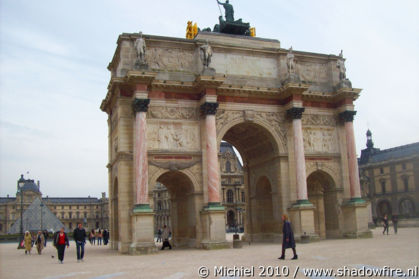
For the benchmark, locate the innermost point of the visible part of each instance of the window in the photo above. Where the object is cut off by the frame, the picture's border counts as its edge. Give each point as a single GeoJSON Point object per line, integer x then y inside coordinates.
{"type": "Point", "coordinates": [383, 186]}
{"type": "Point", "coordinates": [404, 166]}
{"type": "Point", "coordinates": [1, 227]}
{"type": "Point", "coordinates": [243, 199]}
{"type": "Point", "coordinates": [406, 183]}
{"type": "Point", "coordinates": [70, 215]}
{"type": "Point", "coordinates": [62, 207]}
{"type": "Point", "coordinates": [159, 205]}
{"type": "Point", "coordinates": [228, 166]}
{"type": "Point", "coordinates": [85, 214]}
{"type": "Point", "coordinates": [77, 207]}
{"type": "Point", "coordinates": [69, 207]}
{"type": "Point", "coordinates": [229, 196]}
{"type": "Point", "coordinates": [78, 215]}
{"type": "Point", "coordinates": [70, 225]}
{"type": "Point", "coordinates": [62, 215]}
{"type": "Point", "coordinates": [85, 207]}
{"type": "Point", "coordinates": [381, 170]}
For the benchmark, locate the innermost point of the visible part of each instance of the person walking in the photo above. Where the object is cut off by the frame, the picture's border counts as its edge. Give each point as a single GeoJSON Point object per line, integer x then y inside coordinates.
{"type": "Point", "coordinates": [92, 237]}
{"type": "Point", "coordinates": [165, 236]}
{"type": "Point", "coordinates": [28, 242]}
{"type": "Point", "coordinates": [45, 237]}
{"type": "Point", "coordinates": [39, 242]}
{"type": "Point", "coordinates": [79, 235]}
{"type": "Point", "coordinates": [288, 240]}
{"type": "Point", "coordinates": [105, 236]}
{"type": "Point", "coordinates": [60, 242]}
{"type": "Point", "coordinates": [159, 235]}
{"type": "Point", "coordinates": [385, 224]}
{"type": "Point", "coordinates": [395, 220]}
{"type": "Point", "coordinates": [99, 237]}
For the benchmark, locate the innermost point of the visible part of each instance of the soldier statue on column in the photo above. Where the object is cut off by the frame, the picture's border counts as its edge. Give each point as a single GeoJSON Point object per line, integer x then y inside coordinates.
{"type": "Point", "coordinates": [140, 47]}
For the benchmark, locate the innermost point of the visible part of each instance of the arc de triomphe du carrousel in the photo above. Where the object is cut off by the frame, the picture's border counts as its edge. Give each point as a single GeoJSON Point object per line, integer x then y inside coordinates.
{"type": "Point", "coordinates": [170, 103]}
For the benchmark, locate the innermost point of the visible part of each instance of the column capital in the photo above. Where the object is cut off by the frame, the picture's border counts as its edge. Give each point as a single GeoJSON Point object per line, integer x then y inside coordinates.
{"type": "Point", "coordinates": [140, 105]}
{"type": "Point", "coordinates": [295, 113]}
{"type": "Point", "coordinates": [347, 115]}
{"type": "Point", "coordinates": [209, 108]}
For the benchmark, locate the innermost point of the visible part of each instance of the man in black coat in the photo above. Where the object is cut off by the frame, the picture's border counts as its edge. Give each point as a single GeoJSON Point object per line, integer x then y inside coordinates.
{"type": "Point", "coordinates": [79, 235]}
{"type": "Point", "coordinates": [288, 240]}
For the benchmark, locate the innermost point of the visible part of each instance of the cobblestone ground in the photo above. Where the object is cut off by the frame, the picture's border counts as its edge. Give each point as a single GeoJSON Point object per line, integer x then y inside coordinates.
{"type": "Point", "coordinates": [395, 251]}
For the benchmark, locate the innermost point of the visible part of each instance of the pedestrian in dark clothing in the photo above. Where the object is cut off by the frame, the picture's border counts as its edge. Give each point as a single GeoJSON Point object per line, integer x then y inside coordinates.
{"type": "Point", "coordinates": [159, 235]}
{"type": "Point", "coordinates": [60, 241]}
{"type": "Point", "coordinates": [395, 220]}
{"type": "Point", "coordinates": [79, 235]}
{"type": "Point", "coordinates": [105, 237]}
{"type": "Point", "coordinates": [45, 238]}
{"type": "Point", "coordinates": [385, 224]}
{"type": "Point", "coordinates": [165, 236]}
{"type": "Point", "coordinates": [288, 240]}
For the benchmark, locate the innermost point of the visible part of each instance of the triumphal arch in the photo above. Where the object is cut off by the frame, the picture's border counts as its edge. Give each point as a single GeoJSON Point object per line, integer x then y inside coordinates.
{"type": "Point", "coordinates": [171, 102]}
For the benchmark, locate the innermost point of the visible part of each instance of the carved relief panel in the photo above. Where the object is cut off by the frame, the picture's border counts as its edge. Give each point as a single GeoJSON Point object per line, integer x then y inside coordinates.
{"type": "Point", "coordinates": [173, 136]}
{"type": "Point", "coordinates": [323, 140]}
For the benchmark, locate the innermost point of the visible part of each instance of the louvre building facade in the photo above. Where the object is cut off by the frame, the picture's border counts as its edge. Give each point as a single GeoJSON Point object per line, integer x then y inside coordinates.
{"type": "Point", "coordinates": [50, 212]}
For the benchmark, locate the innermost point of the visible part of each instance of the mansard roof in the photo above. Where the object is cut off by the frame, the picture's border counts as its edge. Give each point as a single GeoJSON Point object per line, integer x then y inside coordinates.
{"type": "Point", "coordinates": [74, 200]}
{"type": "Point", "coordinates": [7, 200]}
{"type": "Point", "coordinates": [395, 153]}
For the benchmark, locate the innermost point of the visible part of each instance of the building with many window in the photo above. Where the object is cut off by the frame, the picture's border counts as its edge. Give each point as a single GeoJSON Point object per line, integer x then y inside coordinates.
{"type": "Point", "coordinates": [390, 180]}
{"type": "Point", "coordinates": [91, 211]}
{"type": "Point", "coordinates": [232, 185]}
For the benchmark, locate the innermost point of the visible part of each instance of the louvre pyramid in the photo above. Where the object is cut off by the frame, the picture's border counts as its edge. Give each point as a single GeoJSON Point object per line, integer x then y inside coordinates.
{"type": "Point", "coordinates": [32, 219]}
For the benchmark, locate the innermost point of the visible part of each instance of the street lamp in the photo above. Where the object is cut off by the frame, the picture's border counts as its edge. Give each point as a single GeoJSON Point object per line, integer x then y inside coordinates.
{"type": "Point", "coordinates": [42, 207]}
{"type": "Point", "coordinates": [20, 184]}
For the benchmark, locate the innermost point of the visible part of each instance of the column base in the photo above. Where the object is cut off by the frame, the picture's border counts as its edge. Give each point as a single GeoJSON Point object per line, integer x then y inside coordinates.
{"type": "Point", "coordinates": [213, 227]}
{"type": "Point", "coordinates": [142, 230]}
{"type": "Point", "coordinates": [142, 208]}
{"type": "Point", "coordinates": [302, 218]}
{"type": "Point", "coordinates": [355, 216]}
{"type": "Point", "coordinates": [142, 248]}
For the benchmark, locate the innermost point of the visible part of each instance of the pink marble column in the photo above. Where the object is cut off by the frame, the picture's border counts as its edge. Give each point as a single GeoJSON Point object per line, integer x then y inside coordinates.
{"type": "Point", "coordinates": [355, 186]}
{"type": "Point", "coordinates": [140, 151]}
{"type": "Point", "coordinates": [213, 167]}
{"type": "Point", "coordinates": [300, 163]}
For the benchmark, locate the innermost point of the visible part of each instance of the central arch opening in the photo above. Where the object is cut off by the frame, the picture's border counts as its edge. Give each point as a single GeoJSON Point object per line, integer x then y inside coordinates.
{"type": "Point", "coordinates": [181, 210]}
{"type": "Point", "coordinates": [257, 207]}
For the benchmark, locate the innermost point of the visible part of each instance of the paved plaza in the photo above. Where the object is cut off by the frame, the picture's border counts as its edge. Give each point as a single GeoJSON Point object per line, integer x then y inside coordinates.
{"type": "Point", "coordinates": [395, 251]}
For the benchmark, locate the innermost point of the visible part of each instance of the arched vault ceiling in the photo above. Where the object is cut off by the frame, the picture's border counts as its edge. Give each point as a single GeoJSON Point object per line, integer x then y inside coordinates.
{"type": "Point", "coordinates": [251, 140]}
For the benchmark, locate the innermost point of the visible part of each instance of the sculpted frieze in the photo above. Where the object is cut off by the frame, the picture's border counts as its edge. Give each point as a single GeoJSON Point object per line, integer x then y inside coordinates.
{"type": "Point", "coordinates": [173, 136]}
{"type": "Point", "coordinates": [170, 59]}
{"type": "Point", "coordinates": [313, 72]}
{"type": "Point", "coordinates": [320, 140]}
{"type": "Point", "coordinates": [161, 112]}
{"type": "Point", "coordinates": [318, 120]}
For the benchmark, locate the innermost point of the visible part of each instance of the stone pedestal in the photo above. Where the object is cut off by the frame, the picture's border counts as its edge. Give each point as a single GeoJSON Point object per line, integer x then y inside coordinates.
{"type": "Point", "coordinates": [142, 229]}
{"type": "Point", "coordinates": [213, 228]}
{"type": "Point", "coordinates": [302, 220]}
{"type": "Point", "coordinates": [236, 241]}
{"type": "Point", "coordinates": [355, 216]}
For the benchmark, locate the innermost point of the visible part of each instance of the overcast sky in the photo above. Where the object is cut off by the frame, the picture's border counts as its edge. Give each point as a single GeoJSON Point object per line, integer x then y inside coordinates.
{"type": "Point", "coordinates": [53, 76]}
